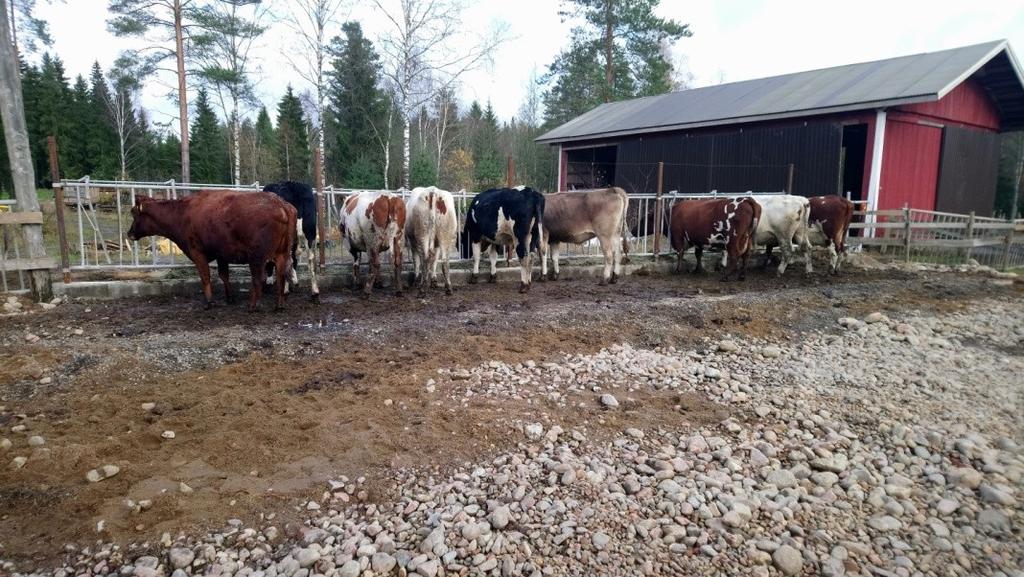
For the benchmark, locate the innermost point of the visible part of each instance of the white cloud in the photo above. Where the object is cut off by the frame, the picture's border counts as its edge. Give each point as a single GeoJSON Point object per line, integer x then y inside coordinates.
{"type": "Point", "coordinates": [733, 40]}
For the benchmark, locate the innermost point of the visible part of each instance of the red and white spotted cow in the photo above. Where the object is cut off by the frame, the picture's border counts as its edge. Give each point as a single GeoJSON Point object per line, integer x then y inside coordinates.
{"type": "Point", "coordinates": [430, 230]}
{"type": "Point", "coordinates": [828, 225]}
{"type": "Point", "coordinates": [727, 222]}
{"type": "Point", "coordinates": [374, 222]}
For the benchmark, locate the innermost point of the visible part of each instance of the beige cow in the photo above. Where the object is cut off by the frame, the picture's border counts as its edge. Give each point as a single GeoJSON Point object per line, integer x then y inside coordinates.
{"type": "Point", "coordinates": [579, 216]}
{"type": "Point", "coordinates": [430, 229]}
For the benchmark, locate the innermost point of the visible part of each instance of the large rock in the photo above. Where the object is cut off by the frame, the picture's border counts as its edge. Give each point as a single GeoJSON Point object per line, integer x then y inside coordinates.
{"type": "Point", "coordinates": [788, 560]}
{"type": "Point", "coordinates": [782, 478]}
{"type": "Point", "coordinates": [181, 557]}
{"type": "Point", "coordinates": [885, 523]}
{"type": "Point", "coordinates": [990, 494]}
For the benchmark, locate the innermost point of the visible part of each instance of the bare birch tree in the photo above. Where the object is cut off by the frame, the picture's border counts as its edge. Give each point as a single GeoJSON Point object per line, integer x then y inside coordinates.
{"type": "Point", "coordinates": [311, 20]}
{"type": "Point", "coordinates": [120, 98]}
{"type": "Point", "coordinates": [229, 30]}
{"type": "Point", "coordinates": [424, 49]}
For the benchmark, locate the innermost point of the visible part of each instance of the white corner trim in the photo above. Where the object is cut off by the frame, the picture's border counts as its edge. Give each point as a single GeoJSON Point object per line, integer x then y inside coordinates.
{"type": "Point", "coordinates": [875, 179]}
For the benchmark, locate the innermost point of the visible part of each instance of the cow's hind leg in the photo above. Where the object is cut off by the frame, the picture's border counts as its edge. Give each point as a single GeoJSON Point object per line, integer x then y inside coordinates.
{"type": "Point", "coordinates": [203, 268]}
{"type": "Point", "coordinates": [617, 244]}
{"type": "Point", "coordinates": [608, 251]}
{"type": "Point", "coordinates": [476, 263]}
{"type": "Point", "coordinates": [281, 264]}
{"type": "Point", "coordinates": [786, 248]}
{"type": "Point", "coordinates": [371, 278]}
{"type": "Point", "coordinates": [698, 253]}
{"type": "Point", "coordinates": [355, 269]}
{"type": "Point", "coordinates": [767, 256]}
{"type": "Point", "coordinates": [258, 270]}
{"type": "Point", "coordinates": [446, 269]}
{"type": "Point", "coordinates": [556, 251]}
{"type": "Point", "coordinates": [833, 259]}
{"type": "Point", "coordinates": [680, 262]}
{"type": "Point", "coordinates": [223, 271]}
{"type": "Point", "coordinates": [396, 259]}
{"type": "Point", "coordinates": [525, 266]}
{"type": "Point", "coordinates": [314, 285]}
{"type": "Point", "coordinates": [492, 252]}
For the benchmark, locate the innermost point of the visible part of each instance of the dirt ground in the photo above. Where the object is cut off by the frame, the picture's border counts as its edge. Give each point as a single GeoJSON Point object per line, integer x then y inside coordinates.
{"type": "Point", "coordinates": [267, 407]}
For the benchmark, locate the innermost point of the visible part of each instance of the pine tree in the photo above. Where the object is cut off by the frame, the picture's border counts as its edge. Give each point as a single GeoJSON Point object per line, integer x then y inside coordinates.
{"type": "Point", "coordinates": [618, 53]}
{"type": "Point", "coordinates": [101, 141]}
{"type": "Point", "coordinates": [292, 139]}
{"type": "Point", "coordinates": [209, 155]}
{"type": "Point", "coordinates": [423, 171]}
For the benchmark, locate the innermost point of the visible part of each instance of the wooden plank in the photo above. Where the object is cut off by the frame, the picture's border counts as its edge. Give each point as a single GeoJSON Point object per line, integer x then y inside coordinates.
{"type": "Point", "coordinates": [898, 225]}
{"type": "Point", "coordinates": [41, 263]}
{"type": "Point", "coordinates": [945, 225]}
{"type": "Point", "coordinates": [875, 241]}
{"type": "Point", "coordinates": [21, 218]}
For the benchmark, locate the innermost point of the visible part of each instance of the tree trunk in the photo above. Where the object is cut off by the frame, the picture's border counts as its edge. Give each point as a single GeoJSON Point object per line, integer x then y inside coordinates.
{"type": "Point", "coordinates": [609, 41]}
{"type": "Point", "coordinates": [12, 112]}
{"type": "Point", "coordinates": [179, 43]}
{"type": "Point", "coordinates": [1014, 199]}
{"type": "Point", "coordinates": [236, 136]}
{"type": "Point", "coordinates": [14, 29]}
{"type": "Point", "coordinates": [405, 151]}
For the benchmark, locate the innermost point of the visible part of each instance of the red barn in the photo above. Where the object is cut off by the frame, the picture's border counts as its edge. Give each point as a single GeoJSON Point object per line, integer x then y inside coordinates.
{"type": "Point", "coordinates": [921, 130]}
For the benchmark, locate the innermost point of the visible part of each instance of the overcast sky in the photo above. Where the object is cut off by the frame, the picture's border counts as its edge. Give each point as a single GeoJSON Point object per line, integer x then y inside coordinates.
{"type": "Point", "coordinates": [732, 40]}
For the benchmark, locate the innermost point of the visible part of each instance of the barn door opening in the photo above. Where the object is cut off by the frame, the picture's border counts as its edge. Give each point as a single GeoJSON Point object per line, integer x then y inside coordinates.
{"type": "Point", "coordinates": [855, 144]}
{"type": "Point", "coordinates": [592, 167]}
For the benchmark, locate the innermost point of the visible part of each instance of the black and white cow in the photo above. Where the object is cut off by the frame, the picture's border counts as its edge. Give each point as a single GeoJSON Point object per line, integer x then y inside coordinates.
{"type": "Point", "coordinates": [302, 197]}
{"type": "Point", "coordinates": [506, 216]}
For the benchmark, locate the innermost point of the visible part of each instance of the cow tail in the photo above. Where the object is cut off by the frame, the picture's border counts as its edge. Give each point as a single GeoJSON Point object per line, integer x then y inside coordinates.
{"type": "Point", "coordinates": [625, 230]}
{"type": "Point", "coordinates": [538, 225]}
{"type": "Point", "coordinates": [431, 220]}
{"type": "Point", "coordinates": [754, 221]}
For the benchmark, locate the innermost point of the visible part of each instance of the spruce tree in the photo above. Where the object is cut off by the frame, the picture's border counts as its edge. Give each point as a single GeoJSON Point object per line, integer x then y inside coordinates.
{"type": "Point", "coordinates": [357, 121]}
{"type": "Point", "coordinates": [266, 147]}
{"type": "Point", "coordinates": [292, 139]}
{"type": "Point", "coordinates": [208, 152]}
{"type": "Point", "coordinates": [485, 151]}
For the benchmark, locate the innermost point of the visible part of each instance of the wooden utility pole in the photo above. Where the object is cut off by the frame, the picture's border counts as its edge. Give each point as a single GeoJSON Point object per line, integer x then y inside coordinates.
{"type": "Point", "coordinates": [12, 111]}
{"type": "Point", "coordinates": [58, 205]}
{"type": "Point", "coordinates": [658, 210]}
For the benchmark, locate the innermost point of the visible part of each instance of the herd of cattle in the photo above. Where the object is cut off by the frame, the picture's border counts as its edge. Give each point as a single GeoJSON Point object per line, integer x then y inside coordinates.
{"type": "Point", "coordinates": [269, 230]}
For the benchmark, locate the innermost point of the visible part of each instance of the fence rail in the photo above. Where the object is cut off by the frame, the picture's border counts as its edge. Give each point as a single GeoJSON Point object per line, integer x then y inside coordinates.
{"type": "Point", "coordinates": [100, 218]}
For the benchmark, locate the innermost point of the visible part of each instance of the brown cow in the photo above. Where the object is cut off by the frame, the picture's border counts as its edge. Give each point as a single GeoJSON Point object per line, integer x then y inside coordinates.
{"type": "Point", "coordinates": [228, 227]}
{"type": "Point", "coordinates": [578, 216]}
{"type": "Point", "coordinates": [828, 224]}
{"type": "Point", "coordinates": [728, 222]}
{"type": "Point", "coordinates": [374, 222]}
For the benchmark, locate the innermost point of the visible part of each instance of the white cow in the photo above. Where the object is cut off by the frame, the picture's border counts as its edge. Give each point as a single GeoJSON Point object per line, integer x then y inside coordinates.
{"type": "Point", "coordinates": [431, 226]}
{"type": "Point", "coordinates": [373, 222]}
{"type": "Point", "coordinates": [783, 221]}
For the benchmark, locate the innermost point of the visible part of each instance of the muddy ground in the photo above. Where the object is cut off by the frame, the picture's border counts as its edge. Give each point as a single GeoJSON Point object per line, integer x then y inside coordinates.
{"type": "Point", "coordinates": [267, 407]}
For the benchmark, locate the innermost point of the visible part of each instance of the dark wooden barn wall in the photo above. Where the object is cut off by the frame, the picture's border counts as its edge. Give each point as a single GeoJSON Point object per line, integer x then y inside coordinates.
{"type": "Point", "coordinates": [970, 166]}
{"type": "Point", "coordinates": [736, 160]}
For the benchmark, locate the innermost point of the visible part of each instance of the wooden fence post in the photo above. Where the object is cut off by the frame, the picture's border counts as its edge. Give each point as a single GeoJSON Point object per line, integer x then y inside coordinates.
{"type": "Point", "coordinates": [510, 172]}
{"type": "Point", "coordinates": [58, 205]}
{"type": "Point", "coordinates": [1007, 243]}
{"type": "Point", "coordinates": [906, 232]}
{"type": "Point", "coordinates": [321, 207]}
{"type": "Point", "coordinates": [789, 179]}
{"type": "Point", "coordinates": [970, 236]}
{"type": "Point", "coordinates": [658, 210]}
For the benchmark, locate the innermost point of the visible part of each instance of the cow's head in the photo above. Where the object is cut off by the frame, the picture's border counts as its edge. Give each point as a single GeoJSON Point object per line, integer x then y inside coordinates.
{"type": "Point", "coordinates": [143, 222]}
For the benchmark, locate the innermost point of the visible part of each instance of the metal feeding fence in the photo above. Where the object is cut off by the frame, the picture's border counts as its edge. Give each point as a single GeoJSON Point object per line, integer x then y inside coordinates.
{"type": "Point", "coordinates": [92, 234]}
{"type": "Point", "coordinates": [93, 238]}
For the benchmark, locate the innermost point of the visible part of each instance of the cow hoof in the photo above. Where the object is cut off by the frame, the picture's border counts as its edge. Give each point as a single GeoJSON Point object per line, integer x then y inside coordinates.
{"type": "Point", "coordinates": [209, 305]}
{"type": "Point", "coordinates": [315, 297]}
{"type": "Point", "coordinates": [602, 282]}
{"type": "Point", "coordinates": [542, 278]}
{"type": "Point", "coordinates": [625, 260]}
{"type": "Point", "coordinates": [614, 279]}
{"type": "Point", "coordinates": [554, 276]}
{"type": "Point", "coordinates": [524, 287]}
{"type": "Point", "coordinates": [365, 295]}
{"type": "Point", "coordinates": [471, 279]}
{"type": "Point", "coordinates": [492, 278]}
{"type": "Point", "coordinates": [448, 290]}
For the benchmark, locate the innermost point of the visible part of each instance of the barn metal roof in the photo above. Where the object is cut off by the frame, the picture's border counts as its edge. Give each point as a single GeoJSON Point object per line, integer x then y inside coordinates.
{"type": "Point", "coordinates": [867, 85]}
